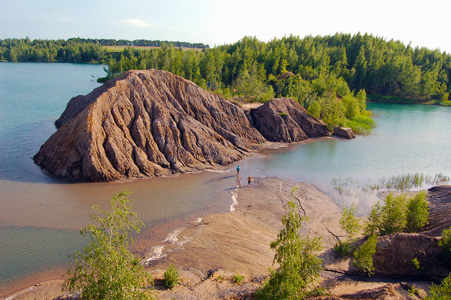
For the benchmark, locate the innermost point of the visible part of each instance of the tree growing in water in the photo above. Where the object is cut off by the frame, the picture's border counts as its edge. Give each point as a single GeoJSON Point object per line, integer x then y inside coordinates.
{"type": "Point", "coordinates": [106, 269]}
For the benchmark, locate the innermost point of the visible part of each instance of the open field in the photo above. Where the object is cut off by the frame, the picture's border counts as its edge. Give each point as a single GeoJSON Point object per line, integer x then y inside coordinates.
{"type": "Point", "coordinates": [121, 48]}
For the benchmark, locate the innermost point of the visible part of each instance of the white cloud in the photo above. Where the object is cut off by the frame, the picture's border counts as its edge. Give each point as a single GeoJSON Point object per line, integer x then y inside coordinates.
{"type": "Point", "coordinates": [64, 19]}
{"type": "Point", "coordinates": [138, 22]}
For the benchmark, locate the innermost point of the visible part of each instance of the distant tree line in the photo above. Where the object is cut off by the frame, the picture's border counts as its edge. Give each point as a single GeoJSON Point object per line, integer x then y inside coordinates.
{"type": "Point", "coordinates": [140, 43]}
{"type": "Point", "coordinates": [70, 51]}
{"type": "Point", "coordinates": [75, 50]}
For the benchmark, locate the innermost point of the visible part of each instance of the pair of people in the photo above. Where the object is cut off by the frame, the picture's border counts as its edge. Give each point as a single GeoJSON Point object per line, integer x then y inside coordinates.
{"type": "Point", "coordinates": [249, 179]}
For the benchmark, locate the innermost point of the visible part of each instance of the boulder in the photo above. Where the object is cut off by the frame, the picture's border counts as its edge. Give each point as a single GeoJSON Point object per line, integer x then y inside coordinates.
{"type": "Point", "coordinates": [395, 254]}
{"type": "Point", "coordinates": [344, 132]}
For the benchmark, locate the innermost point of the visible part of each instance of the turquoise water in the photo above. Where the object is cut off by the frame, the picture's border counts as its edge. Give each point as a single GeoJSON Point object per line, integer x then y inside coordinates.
{"type": "Point", "coordinates": [40, 218]}
{"type": "Point", "coordinates": [32, 97]}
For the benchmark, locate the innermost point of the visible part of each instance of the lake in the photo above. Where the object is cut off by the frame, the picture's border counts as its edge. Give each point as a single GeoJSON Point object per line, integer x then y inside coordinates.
{"type": "Point", "coordinates": [40, 218]}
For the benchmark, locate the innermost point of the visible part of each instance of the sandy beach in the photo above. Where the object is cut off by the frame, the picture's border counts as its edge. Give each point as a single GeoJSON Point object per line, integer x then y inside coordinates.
{"type": "Point", "coordinates": [209, 251]}
{"type": "Point", "coordinates": [238, 240]}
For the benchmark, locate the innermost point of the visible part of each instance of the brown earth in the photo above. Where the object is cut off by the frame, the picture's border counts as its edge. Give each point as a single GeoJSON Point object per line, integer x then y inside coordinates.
{"type": "Point", "coordinates": [152, 123]}
{"type": "Point", "coordinates": [211, 252]}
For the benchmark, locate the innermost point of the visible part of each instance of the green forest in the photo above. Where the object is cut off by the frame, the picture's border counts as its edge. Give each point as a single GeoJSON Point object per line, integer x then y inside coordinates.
{"type": "Point", "coordinates": [331, 76]}
{"type": "Point", "coordinates": [75, 50]}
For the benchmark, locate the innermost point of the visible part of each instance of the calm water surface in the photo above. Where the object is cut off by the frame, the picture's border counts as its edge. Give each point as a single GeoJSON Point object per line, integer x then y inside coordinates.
{"type": "Point", "coordinates": [40, 218]}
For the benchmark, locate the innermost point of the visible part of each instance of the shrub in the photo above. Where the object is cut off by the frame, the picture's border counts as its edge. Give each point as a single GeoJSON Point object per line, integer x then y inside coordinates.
{"type": "Point", "coordinates": [362, 124]}
{"type": "Point", "coordinates": [393, 215]}
{"type": "Point", "coordinates": [220, 277]}
{"type": "Point", "coordinates": [106, 269]}
{"type": "Point", "coordinates": [343, 248]}
{"type": "Point", "coordinates": [349, 221]}
{"type": "Point", "coordinates": [413, 291]}
{"type": "Point", "coordinates": [363, 257]}
{"type": "Point", "coordinates": [417, 212]}
{"type": "Point", "coordinates": [416, 263]}
{"type": "Point", "coordinates": [237, 278]}
{"type": "Point", "coordinates": [442, 291]}
{"type": "Point", "coordinates": [374, 222]}
{"type": "Point", "coordinates": [398, 214]}
{"type": "Point", "coordinates": [445, 243]}
{"type": "Point", "coordinates": [389, 218]}
{"type": "Point", "coordinates": [171, 277]}
{"type": "Point", "coordinates": [298, 263]}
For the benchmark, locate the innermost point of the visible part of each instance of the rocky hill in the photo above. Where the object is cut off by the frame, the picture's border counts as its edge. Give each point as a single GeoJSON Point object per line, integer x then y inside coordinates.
{"type": "Point", "coordinates": [153, 123]}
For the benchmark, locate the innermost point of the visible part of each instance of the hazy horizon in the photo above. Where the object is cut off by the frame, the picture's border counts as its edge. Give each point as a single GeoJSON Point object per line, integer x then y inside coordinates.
{"type": "Point", "coordinates": [217, 22]}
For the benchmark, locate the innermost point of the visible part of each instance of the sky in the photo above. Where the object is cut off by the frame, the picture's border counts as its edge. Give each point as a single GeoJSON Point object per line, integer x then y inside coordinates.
{"type": "Point", "coordinates": [218, 22]}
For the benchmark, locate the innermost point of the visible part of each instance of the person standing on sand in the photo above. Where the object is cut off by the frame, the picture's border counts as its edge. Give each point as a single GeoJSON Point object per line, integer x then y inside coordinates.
{"type": "Point", "coordinates": [238, 169]}
{"type": "Point", "coordinates": [249, 180]}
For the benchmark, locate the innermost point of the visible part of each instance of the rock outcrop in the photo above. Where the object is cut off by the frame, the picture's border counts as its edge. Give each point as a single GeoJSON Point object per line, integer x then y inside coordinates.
{"type": "Point", "coordinates": [395, 253]}
{"type": "Point", "coordinates": [152, 123]}
{"type": "Point", "coordinates": [285, 120]}
{"type": "Point", "coordinates": [439, 198]}
{"type": "Point", "coordinates": [344, 132]}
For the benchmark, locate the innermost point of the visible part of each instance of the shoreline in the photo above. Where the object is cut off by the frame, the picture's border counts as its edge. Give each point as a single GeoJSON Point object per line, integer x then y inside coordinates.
{"type": "Point", "coordinates": [18, 285]}
{"type": "Point", "coordinates": [236, 240]}
{"type": "Point", "coordinates": [254, 210]}
{"type": "Point", "coordinates": [219, 245]}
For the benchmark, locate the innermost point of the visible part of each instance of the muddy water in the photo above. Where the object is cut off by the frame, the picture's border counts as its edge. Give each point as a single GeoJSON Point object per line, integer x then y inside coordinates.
{"type": "Point", "coordinates": [40, 222]}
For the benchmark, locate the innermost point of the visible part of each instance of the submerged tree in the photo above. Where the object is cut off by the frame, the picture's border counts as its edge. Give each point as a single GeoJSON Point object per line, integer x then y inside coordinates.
{"type": "Point", "coordinates": [106, 269]}
{"type": "Point", "coordinates": [298, 262]}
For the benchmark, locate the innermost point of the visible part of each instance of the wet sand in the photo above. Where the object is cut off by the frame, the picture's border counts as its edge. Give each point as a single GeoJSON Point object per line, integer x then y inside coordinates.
{"type": "Point", "coordinates": [238, 240]}
{"type": "Point", "coordinates": [224, 244]}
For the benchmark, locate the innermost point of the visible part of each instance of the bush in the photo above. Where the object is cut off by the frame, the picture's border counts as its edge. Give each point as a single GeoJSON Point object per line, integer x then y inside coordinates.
{"type": "Point", "coordinates": [416, 263]}
{"type": "Point", "coordinates": [398, 214]}
{"type": "Point", "coordinates": [393, 214]}
{"type": "Point", "coordinates": [299, 265]}
{"type": "Point", "coordinates": [349, 221]}
{"type": "Point", "coordinates": [374, 222]}
{"type": "Point", "coordinates": [445, 243]}
{"type": "Point", "coordinates": [363, 257]}
{"type": "Point", "coordinates": [343, 248]}
{"type": "Point", "coordinates": [220, 277]}
{"type": "Point", "coordinates": [171, 277]}
{"type": "Point", "coordinates": [361, 124]}
{"type": "Point", "coordinates": [106, 269]}
{"type": "Point", "coordinates": [237, 278]}
{"type": "Point", "coordinates": [442, 291]}
{"type": "Point", "coordinates": [417, 212]}
{"type": "Point", "coordinates": [389, 218]}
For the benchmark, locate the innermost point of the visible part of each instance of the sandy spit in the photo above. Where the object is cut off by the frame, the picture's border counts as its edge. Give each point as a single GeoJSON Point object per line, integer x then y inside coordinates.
{"type": "Point", "coordinates": [210, 251]}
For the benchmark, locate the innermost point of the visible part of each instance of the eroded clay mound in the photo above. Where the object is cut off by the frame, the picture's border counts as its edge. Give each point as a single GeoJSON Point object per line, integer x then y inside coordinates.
{"type": "Point", "coordinates": [153, 123]}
